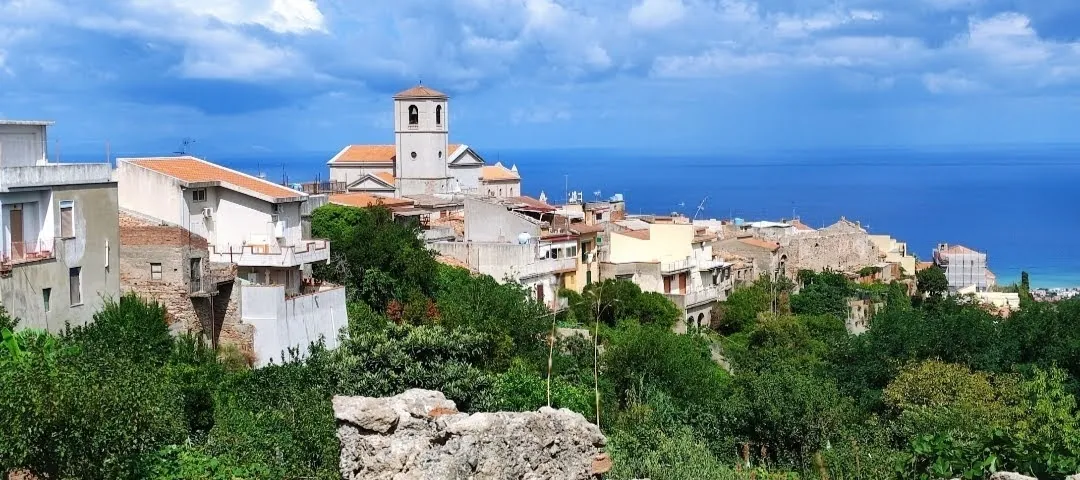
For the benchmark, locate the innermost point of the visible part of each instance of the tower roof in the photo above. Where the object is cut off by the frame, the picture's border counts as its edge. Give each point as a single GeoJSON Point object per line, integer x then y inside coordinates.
{"type": "Point", "coordinates": [420, 91]}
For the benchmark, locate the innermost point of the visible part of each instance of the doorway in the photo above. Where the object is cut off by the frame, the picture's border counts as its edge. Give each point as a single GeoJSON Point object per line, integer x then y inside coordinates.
{"type": "Point", "coordinates": [18, 247]}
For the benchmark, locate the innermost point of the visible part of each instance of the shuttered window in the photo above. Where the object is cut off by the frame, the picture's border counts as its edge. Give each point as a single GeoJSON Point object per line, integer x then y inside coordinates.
{"type": "Point", "coordinates": [67, 219]}
{"type": "Point", "coordinates": [75, 285]}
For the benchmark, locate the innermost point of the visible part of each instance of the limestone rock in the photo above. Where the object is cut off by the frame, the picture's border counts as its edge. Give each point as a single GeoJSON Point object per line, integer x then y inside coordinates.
{"type": "Point", "coordinates": [420, 435]}
{"type": "Point", "coordinates": [1010, 476]}
{"type": "Point", "coordinates": [1073, 477]}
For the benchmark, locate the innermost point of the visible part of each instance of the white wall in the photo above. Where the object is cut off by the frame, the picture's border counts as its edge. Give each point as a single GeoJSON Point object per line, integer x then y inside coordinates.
{"type": "Point", "coordinates": [239, 219]}
{"type": "Point", "coordinates": [296, 322]}
{"type": "Point", "coordinates": [152, 194]}
{"type": "Point", "coordinates": [352, 172]}
{"type": "Point", "coordinates": [21, 145]}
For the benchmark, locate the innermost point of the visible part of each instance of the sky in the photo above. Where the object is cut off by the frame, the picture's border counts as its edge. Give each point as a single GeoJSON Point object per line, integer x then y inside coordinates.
{"type": "Point", "coordinates": [256, 76]}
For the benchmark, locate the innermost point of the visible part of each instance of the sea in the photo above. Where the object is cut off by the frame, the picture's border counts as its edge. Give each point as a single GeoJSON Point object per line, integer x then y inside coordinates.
{"type": "Point", "coordinates": [1020, 205]}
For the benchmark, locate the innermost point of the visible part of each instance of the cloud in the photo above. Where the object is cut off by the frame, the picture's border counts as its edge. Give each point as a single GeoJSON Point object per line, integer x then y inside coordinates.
{"type": "Point", "coordinates": [650, 14]}
{"type": "Point", "coordinates": [950, 82]}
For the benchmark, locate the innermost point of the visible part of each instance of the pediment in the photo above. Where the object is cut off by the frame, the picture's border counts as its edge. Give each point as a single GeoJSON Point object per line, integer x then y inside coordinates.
{"type": "Point", "coordinates": [370, 183]}
{"type": "Point", "coordinates": [465, 157]}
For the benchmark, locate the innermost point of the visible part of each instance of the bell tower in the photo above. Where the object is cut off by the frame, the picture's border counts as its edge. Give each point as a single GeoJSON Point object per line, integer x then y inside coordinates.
{"type": "Point", "coordinates": [421, 139]}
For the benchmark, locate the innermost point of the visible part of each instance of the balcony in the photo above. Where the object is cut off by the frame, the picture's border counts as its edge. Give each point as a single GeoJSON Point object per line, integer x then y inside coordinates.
{"type": "Point", "coordinates": [308, 251]}
{"type": "Point", "coordinates": [25, 252]}
{"type": "Point", "coordinates": [54, 174]}
{"type": "Point", "coordinates": [675, 266]}
{"type": "Point", "coordinates": [696, 298]}
{"type": "Point", "coordinates": [546, 267]}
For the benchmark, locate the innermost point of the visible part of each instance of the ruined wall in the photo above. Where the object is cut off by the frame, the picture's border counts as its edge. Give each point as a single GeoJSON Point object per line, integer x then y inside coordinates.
{"type": "Point", "coordinates": [825, 250]}
{"type": "Point", "coordinates": [420, 434]}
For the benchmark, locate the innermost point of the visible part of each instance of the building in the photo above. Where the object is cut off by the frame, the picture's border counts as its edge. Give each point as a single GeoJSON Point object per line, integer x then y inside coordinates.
{"type": "Point", "coordinates": [895, 252]}
{"type": "Point", "coordinates": [964, 267]}
{"type": "Point", "coordinates": [512, 240]}
{"type": "Point", "coordinates": [61, 247]}
{"type": "Point", "coordinates": [758, 256]}
{"type": "Point", "coordinates": [236, 246]}
{"type": "Point", "coordinates": [668, 255]}
{"type": "Point", "coordinates": [841, 247]}
{"type": "Point", "coordinates": [421, 161]}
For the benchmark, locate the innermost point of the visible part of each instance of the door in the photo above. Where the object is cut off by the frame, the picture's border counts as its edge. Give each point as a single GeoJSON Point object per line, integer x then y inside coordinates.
{"type": "Point", "coordinates": [667, 284]}
{"type": "Point", "coordinates": [540, 292]}
{"type": "Point", "coordinates": [196, 275]}
{"type": "Point", "coordinates": [682, 283]}
{"type": "Point", "coordinates": [18, 247]}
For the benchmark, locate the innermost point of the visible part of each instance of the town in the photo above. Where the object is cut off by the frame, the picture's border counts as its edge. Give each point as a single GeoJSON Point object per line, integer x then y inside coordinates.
{"type": "Point", "coordinates": [230, 255]}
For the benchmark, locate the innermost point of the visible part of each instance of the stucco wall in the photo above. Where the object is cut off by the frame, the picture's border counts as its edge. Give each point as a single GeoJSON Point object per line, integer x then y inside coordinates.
{"type": "Point", "coordinates": [95, 248]}
{"type": "Point", "coordinates": [489, 222]}
{"type": "Point", "coordinates": [666, 242]}
{"type": "Point", "coordinates": [21, 145]}
{"type": "Point", "coordinates": [765, 261]}
{"type": "Point", "coordinates": [501, 189]}
{"type": "Point", "coordinates": [239, 218]}
{"type": "Point", "coordinates": [350, 173]}
{"type": "Point", "coordinates": [149, 193]}
{"type": "Point", "coordinates": [823, 250]}
{"type": "Point", "coordinates": [280, 323]}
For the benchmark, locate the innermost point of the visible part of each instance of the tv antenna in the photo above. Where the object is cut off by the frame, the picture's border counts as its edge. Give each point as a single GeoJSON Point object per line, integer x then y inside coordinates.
{"type": "Point", "coordinates": [700, 207]}
{"type": "Point", "coordinates": [185, 144]}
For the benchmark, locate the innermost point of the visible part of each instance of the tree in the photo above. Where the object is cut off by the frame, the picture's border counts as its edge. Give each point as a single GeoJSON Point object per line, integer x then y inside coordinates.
{"type": "Point", "coordinates": [932, 282]}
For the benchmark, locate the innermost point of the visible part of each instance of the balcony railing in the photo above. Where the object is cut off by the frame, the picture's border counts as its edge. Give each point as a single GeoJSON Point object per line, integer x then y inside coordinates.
{"type": "Point", "coordinates": [23, 252]}
{"type": "Point", "coordinates": [54, 174]}
{"type": "Point", "coordinates": [696, 298]}
{"type": "Point", "coordinates": [546, 267]}
{"type": "Point", "coordinates": [673, 266]}
{"type": "Point", "coordinates": [308, 251]}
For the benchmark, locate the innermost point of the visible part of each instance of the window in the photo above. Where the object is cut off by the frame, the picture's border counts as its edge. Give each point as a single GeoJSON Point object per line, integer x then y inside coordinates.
{"type": "Point", "coordinates": [198, 195]}
{"type": "Point", "coordinates": [155, 271]}
{"type": "Point", "coordinates": [599, 216]}
{"type": "Point", "coordinates": [75, 285]}
{"type": "Point", "coordinates": [438, 115]}
{"type": "Point", "coordinates": [46, 293]}
{"type": "Point", "coordinates": [554, 253]}
{"type": "Point", "coordinates": [571, 251]}
{"type": "Point", "coordinates": [67, 219]}
{"type": "Point", "coordinates": [414, 115]}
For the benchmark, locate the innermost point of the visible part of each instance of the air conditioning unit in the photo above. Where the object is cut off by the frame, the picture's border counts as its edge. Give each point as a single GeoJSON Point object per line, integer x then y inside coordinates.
{"type": "Point", "coordinates": [207, 212]}
{"type": "Point", "coordinates": [279, 229]}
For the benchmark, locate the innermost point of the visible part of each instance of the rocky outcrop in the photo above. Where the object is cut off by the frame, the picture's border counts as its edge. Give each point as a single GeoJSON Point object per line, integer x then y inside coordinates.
{"type": "Point", "coordinates": [420, 435]}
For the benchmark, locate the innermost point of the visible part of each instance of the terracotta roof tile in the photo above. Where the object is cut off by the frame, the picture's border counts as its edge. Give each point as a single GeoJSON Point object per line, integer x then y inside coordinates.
{"type": "Point", "coordinates": [496, 173]}
{"type": "Point", "coordinates": [361, 199]}
{"type": "Point", "coordinates": [532, 203]}
{"type": "Point", "coordinates": [366, 154]}
{"type": "Point", "coordinates": [581, 228]}
{"type": "Point", "coordinates": [801, 226]}
{"type": "Point", "coordinates": [420, 91]}
{"type": "Point", "coordinates": [756, 242]}
{"type": "Point", "coordinates": [194, 170]}
{"type": "Point", "coordinates": [386, 177]}
{"type": "Point", "coordinates": [959, 249]}
{"type": "Point", "coordinates": [638, 234]}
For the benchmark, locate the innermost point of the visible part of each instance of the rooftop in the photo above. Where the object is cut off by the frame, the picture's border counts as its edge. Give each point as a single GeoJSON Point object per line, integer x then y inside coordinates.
{"type": "Point", "coordinates": [957, 250]}
{"type": "Point", "coordinates": [385, 154]}
{"type": "Point", "coordinates": [529, 203]}
{"type": "Point", "coordinates": [193, 170]}
{"type": "Point", "coordinates": [801, 226]}
{"type": "Point", "coordinates": [581, 228]}
{"type": "Point", "coordinates": [386, 177]}
{"type": "Point", "coordinates": [756, 242]}
{"type": "Point", "coordinates": [33, 123]}
{"type": "Point", "coordinates": [360, 199]}
{"type": "Point", "coordinates": [497, 172]}
{"type": "Point", "coordinates": [420, 91]}
{"type": "Point", "coordinates": [638, 234]}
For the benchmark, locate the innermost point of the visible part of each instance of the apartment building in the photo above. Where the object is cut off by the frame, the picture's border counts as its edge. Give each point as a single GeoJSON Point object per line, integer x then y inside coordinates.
{"type": "Point", "coordinates": [60, 246]}
{"type": "Point", "coordinates": [235, 246]}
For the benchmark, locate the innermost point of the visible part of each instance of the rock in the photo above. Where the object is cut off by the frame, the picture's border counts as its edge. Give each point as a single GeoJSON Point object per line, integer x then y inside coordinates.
{"type": "Point", "coordinates": [420, 435]}
{"type": "Point", "coordinates": [1073, 477]}
{"type": "Point", "coordinates": [1010, 476]}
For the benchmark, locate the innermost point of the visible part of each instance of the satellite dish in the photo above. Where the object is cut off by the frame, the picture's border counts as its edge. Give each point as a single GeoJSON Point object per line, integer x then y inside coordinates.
{"type": "Point", "coordinates": [523, 238]}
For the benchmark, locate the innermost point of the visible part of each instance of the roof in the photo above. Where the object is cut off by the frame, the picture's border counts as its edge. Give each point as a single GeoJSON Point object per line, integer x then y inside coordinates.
{"type": "Point", "coordinates": [581, 228]}
{"type": "Point", "coordinates": [497, 173]}
{"type": "Point", "coordinates": [923, 266]}
{"type": "Point", "coordinates": [366, 154]}
{"type": "Point", "coordinates": [959, 250]}
{"type": "Point", "coordinates": [531, 204]}
{"type": "Point", "coordinates": [768, 224]}
{"type": "Point", "coordinates": [453, 262]}
{"type": "Point", "coordinates": [420, 91]}
{"type": "Point", "coordinates": [801, 226]}
{"type": "Point", "coordinates": [33, 123]}
{"type": "Point", "coordinates": [757, 242]}
{"type": "Point", "coordinates": [386, 177]}
{"type": "Point", "coordinates": [844, 226]}
{"type": "Point", "coordinates": [361, 199]}
{"type": "Point", "coordinates": [638, 234]}
{"type": "Point", "coordinates": [428, 200]}
{"type": "Point", "coordinates": [194, 170]}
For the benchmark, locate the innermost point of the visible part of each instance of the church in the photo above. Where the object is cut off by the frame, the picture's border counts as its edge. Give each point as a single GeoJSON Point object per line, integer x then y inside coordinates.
{"type": "Point", "coordinates": [422, 161]}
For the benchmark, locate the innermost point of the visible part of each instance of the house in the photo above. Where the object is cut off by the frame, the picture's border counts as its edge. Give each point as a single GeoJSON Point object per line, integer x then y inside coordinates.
{"type": "Point", "coordinates": [760, 256]}
{"type": "Point", "coordinates": [895, 252]}
{"type": "Point", "coordinates": [421, 161]}
{"type": "Point", "coordinates": [511, 240]}
{"type": "Point", "coordinates": [964, 267]}
{"type": "Point", "coordinates": [235, 245]}
{"type": "Point", "coordinates": [668, 255]}
{"type": "Point", "coordinates": [60, 245]}
{"type": "Point", "coordinates": [590, 239]}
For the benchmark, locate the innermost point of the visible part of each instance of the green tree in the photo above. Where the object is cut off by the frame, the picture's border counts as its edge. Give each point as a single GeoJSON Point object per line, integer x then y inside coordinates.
{"type": "Point", "coordinates": [932, 282]}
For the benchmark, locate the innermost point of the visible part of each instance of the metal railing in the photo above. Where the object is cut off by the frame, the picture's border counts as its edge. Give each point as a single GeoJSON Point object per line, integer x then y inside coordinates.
{"type": "Point", "coordinates": [675, 265]}
{"type": "Point", "coordinates": [22, 252]}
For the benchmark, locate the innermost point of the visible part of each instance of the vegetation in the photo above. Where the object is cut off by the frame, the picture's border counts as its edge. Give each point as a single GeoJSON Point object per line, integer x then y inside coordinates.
{"type": "Point", "coordinates": [934, 389]}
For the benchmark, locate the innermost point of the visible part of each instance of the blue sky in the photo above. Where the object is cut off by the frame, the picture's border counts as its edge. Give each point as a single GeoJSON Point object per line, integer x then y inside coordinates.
{"type": "Point", "coordinates": [251, 76]}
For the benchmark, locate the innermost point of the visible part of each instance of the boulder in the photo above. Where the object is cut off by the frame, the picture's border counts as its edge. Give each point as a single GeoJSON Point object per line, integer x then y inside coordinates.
{"type": "Point", "coordinates": [420, 435]}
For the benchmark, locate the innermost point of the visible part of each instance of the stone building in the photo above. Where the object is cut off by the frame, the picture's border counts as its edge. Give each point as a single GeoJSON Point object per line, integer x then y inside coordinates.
{"type": "Point", "coordinates": [421, 161]}
{"type": "Point", "coordinates": [765, 257]}
{"type": "Point", "coordinates": [843, 247]}
{"type": "Point", "coordinates": [60, 247]}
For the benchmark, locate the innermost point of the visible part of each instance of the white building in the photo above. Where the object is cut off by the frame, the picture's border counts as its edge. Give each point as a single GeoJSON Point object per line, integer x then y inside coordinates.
{"type": "Point", "coordinates": [422, 161]}
{"type": "Point", "coordinates": [254, 225]}
{"type": "Point", "coordinates": [60, 242]}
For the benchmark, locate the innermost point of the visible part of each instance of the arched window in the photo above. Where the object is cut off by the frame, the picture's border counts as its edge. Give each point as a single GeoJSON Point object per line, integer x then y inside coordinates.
{"type": "Point", "coordinates": [438, 115]}
{"type": "Point", "coordinates": [414, 115]}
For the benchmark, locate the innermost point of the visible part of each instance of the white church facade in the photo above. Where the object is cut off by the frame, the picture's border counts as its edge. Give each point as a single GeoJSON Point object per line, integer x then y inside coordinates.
{"type": "Point", "coordinates": [422, 161]}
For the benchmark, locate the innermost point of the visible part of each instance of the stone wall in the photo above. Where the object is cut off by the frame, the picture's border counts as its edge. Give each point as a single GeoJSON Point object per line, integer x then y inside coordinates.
{"type": "Point", "coordinates": [420, 434]}
{"type": "Point", "coordinates": [844, 246]}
